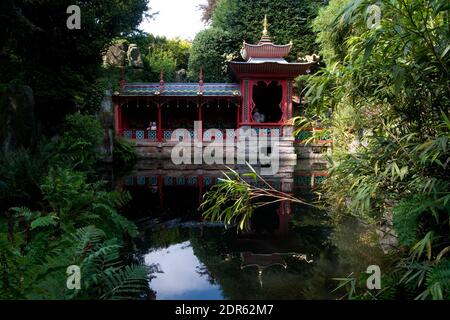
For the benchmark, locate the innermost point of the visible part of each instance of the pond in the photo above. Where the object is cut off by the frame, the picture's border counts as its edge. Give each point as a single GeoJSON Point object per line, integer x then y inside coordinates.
{"type": "Point", "coordinates": [291, 252]}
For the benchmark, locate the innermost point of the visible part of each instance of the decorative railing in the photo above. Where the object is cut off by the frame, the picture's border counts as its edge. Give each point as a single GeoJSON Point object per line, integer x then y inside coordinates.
{"type": "Point", "coordinates": [210, 134]}
{"type": "Point", "coordinates": [161, 135]}
{"type": "Point", "coordinates": [266, 129]}
{"type": "Point", "coordinates": [166, 134]}
{"type": "Point", "coordinates": [136, 134]}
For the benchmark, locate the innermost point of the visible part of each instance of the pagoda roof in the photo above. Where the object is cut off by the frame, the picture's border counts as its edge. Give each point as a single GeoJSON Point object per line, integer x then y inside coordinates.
{"type": "Point", "coordinates": [181, 89]}
{"type": "Point", "coordinates": [267, 59]}
{"type": "Point", "coordinates": [265, 50]}
{"type": "Point", "coordinates": [271, 69]}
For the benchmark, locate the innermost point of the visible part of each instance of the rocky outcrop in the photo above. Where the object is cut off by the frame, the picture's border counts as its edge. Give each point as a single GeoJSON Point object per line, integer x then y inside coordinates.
{"type": "Point", "coordinates": [134, 57]}
{"type": "Point", "coordinates": [181, 75]}
{"type": "Point", "coordinates": [309, 58]}
{"type": "Point", "coordinates": [115, 55]}
{"type": "Point", "coordinates": [120, 54]}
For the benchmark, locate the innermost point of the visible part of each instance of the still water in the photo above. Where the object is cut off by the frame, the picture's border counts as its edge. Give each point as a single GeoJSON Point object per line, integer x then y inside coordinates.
{"type": "Point", "coordinates": [292, 251]}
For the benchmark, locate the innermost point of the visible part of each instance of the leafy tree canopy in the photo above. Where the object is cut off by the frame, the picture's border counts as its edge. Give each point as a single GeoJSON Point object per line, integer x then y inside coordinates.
{"type": "Point", "coordinates": [60, 64]}
{"type": "Point", "coordinates": [210, 49]}
{"type": "Point", "coordinates": [289, 20]}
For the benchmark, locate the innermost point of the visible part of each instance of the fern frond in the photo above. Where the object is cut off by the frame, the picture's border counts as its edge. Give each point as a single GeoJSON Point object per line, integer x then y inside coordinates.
{"type": "Point", "coordinates": [129, 279]}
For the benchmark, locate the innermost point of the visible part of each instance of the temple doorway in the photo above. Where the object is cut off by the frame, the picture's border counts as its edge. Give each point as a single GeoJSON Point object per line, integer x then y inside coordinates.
{"type": "Point", "coordinates": [267, 99]}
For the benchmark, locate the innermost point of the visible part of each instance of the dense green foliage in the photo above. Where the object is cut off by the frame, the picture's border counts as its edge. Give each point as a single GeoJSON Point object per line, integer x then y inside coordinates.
{"type": "Point", "coordinates": [54, 209]}
{"type": "Point", "coordinates": [388, 92]}
{"type": "Point", "coordinates": [71, 221]}
{"type": "Point", "coordinates": [289, 20]}
{"type": "Point", "coordinates": [179, 49]}
{"type": "Point", "coordinates": [59, 64]}
{"type": "Point", "coordinates": [78, 226]}
{"type": "Point", "coordinates": [124, 155]}
{"type": "Point", "coordinates": [163, 61]}
{"type": "Point", "coordinates": [81, 138]}
{"type": "Point", "coordinates": [211, 50]}
{"type": "Point", "coordinates": [158, 53]}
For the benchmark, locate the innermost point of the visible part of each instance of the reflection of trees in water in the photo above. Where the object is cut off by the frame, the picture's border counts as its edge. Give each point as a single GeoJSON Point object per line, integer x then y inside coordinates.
{"type": "Point", "coordinates": [237, 283]}
{"type": "Point", "coordinates": [336, 253]}
{"type": "Point", "coordinates": [265, 219]}
{"type": "Point", "coordinates": [300, 280]}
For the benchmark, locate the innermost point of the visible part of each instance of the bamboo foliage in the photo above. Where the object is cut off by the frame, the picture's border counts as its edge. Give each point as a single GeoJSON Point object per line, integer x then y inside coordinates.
{"type": "Point", "coordinates": [236, 196]}
{"type": "Point", "coordinates": [388, 90]}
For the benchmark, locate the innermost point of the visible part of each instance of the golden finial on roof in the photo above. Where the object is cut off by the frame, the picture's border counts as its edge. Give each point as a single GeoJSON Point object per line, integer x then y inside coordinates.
{"type": "Point", "coordinates": [265, 26]}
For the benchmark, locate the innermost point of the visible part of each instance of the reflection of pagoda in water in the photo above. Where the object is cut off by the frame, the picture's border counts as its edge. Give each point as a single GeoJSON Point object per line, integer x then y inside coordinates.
{"type": "Point", "coordinates": [261, 262]}
{"type": "Point", "coordinates": [264, 261]}
{"type": "Point", "coordinates": [167, 191]}
{"type": "Point", "coordinates": [174, 193]}
{"type": "Point", "coordinates": [277, 250]}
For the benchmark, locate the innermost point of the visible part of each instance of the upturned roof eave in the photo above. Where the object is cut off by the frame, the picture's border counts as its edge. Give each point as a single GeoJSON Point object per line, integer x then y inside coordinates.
{"type": "Point", "coordinates": [265, 49]}
{"type": "Point", "coordinates": [292, 70]}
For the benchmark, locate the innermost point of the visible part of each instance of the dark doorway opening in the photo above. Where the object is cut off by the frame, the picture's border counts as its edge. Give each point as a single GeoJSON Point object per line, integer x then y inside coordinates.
{"type": "Point", "coordinates": [267, 100]}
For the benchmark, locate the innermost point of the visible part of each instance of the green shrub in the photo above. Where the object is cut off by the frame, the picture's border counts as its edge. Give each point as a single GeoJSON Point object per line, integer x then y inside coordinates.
{"type": "Point", "coordinates": [79, 143]}
{"type": "Point", "coordinates": [80, 226]}
{"type": "Point", "coordinates": [124, 153]}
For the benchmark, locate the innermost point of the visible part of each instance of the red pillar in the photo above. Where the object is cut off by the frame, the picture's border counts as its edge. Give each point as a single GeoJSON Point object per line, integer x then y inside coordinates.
{"type": "Point", "coordinates": [200, 118]}
{"type": "Point", "coordinates": [238, 109]}
{"type": "Point", "coordinates": [159, 132]}
{"type": "Point", "coordinates": [283, 217]}
{"type": "Point", "coordinates": [290, 99]}
{"type": "Point", "coordinates": [200, 189]}
{"type": "Point", "coordinates": [117, 117]}
{"type": "Point", "coordinates": [250, 101]}
{"type": "Point", "coordinates": [120, 120]}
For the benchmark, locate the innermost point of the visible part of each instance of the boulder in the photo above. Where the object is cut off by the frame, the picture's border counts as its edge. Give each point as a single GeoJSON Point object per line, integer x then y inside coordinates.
{"type": "Point", "coordinates": [309, 58]}
{"type": "Point", "coordinates": [134, 56]}
{"type": "Point", "coordinates": [115, 55]}
{"type": "Point", "coordinates": [181, 75]}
